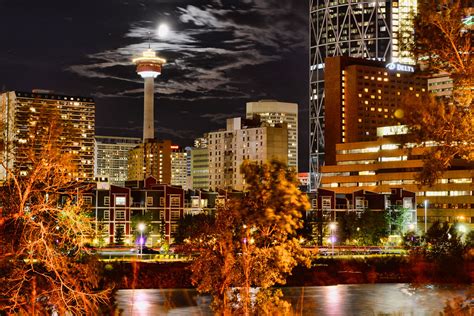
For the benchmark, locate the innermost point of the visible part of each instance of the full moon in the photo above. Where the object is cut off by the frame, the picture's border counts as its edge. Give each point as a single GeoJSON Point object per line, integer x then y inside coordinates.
{"type": "Point", "coordinates": [162, 30]}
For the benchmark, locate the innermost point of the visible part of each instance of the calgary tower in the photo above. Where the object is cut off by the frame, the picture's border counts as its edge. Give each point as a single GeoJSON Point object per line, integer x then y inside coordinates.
{"type": "Point", "coordinates": [149, 67]}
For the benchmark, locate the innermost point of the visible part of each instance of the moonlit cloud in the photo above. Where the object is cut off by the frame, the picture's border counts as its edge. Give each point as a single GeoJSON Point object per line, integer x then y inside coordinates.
{"type": "Point", "coordinates": [206, 50]}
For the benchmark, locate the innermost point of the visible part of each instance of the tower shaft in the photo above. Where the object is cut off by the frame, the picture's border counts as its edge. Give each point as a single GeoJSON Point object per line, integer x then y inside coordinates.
{"type": "Point", "coordinates": [148, 109]}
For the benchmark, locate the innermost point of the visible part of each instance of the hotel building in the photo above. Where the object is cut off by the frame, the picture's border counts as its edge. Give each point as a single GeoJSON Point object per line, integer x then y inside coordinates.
{"type": "Point", "coordinates": [370, 29]}
{"type": "Point", "coordinates": [362, 95]}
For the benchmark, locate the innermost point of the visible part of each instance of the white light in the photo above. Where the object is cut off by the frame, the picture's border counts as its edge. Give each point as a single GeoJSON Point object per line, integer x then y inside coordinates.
{"type": "Point", "coordinates": [141, 227]}
{"type": "Point", "coordinates": [149, 74]}
{"type": "Point", "coordinates": [162, 30]}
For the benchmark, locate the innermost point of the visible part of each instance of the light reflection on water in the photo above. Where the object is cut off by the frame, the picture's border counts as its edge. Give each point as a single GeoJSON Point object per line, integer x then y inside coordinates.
{"type": "Point", "coordinates": [360, 299]}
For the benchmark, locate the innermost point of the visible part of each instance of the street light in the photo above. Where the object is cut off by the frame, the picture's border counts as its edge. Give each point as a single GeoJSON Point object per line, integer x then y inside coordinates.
{"type": "Point", "coordinates": [426, 212]}
{"type": "Point", "coordinates": [141, 228]}
{"type": "Point", "coordinates": [332, 227]}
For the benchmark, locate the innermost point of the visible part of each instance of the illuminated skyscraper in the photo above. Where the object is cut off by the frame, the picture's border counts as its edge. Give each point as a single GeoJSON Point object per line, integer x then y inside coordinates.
{"type": "Point", "coordinates": [369, 29]}
{"type": "Point", "coordinates": [152, 158]}
{"type": "Point", "coordinates": [179, 160]}
{"type": "Point", "coordinates": [111, 157]}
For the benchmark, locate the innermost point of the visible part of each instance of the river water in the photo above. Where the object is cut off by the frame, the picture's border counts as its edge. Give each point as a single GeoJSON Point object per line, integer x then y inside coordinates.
{"type": "Point", "coordinates": [358, 299]}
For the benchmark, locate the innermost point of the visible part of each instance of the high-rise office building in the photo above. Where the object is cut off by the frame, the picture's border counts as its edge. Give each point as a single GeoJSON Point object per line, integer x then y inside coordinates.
{"type": "Point", "coordinates": [111, 157]}
{"type": "Point", "coordinates": [151, 158]}
{"type": "Point", "coordinates": [179, 162]}
{"type": "Point", "coordinates": [19, 111]}
{"type": "Point", "coordinates": [243, 140]}
{"type": "Point", "coordinates": [368, 29]}
{"type": "Point", "coordinates": [362, 95]}
{"type": "Point", "coordinates": [274, 112]}
{"type": "Point", "coordinates": [200, 168]}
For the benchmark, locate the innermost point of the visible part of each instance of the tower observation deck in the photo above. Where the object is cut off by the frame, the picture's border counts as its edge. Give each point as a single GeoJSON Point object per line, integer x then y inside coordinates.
{"type": "Point", "coordinates": [149, 67]}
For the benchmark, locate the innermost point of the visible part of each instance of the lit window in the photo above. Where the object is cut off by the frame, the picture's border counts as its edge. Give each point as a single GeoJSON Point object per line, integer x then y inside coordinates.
{"type": "Point", "coordinates": [149, 201]}
{"type": "Point", "coordinates": [120, 200]}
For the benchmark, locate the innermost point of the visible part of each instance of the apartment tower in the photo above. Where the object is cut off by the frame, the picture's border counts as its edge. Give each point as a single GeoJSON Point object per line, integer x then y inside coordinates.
{"type": "Point", "coordinates": [20, 111]}
{"type": "Point", "coordinates": [274, 112]}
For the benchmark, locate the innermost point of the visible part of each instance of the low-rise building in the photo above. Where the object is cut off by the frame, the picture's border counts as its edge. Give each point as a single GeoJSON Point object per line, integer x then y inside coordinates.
{"type": "Point", "coordinates": [124, 208]}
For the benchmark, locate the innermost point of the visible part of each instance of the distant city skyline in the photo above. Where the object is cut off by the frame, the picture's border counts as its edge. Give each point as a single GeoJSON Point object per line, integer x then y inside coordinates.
{"type": "Point", "coordinates": [220, 56]}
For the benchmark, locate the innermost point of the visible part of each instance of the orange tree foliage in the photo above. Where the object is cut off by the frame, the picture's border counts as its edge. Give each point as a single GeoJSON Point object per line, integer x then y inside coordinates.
{"type": "Point", "coordinates": [253, 243]}
{"type": "Point", "coordinates": [443, 44]}
{"type": "Point", "coordinates": [44, 267]}
{"type": "Point", "coordinates": [446, 131]}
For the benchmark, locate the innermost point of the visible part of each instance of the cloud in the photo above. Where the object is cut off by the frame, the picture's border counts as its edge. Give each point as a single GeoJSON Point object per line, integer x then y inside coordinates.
{"type": "Point", "coordinates": [159, 130]}
{"type": "Point", "coordinates": [207, 50]}
{"type": "Point", "coordinates": [219, 118]}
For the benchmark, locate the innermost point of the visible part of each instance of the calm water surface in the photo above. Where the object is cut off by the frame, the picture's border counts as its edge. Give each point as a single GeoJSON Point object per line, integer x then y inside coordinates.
{"type": "Point", "coordinates": [360, 299]}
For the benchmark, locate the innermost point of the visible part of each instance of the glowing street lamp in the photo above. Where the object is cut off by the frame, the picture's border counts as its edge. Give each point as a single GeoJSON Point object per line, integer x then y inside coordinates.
{"type": "Point", "coordinates": [141, 228]}
{"type": "Point", "coordinates": [426, 214]}
{"type": "Point", "coordinates": [332, 227]}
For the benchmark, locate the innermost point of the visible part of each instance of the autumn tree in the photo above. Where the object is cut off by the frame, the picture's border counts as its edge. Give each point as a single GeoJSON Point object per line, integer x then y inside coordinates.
{"type": "Point", "coordinates": [119, 236]}
{"type": "Point", "coordinates": [191, 226]}
{"type": "Point", "coordinates": [253, 242]}
{"type": "Point", "coordinates": [44, 266]}
{"type": "Point", "coordinates": [366, 228]}
{"type": "Point", "coordinates": [442, 45]}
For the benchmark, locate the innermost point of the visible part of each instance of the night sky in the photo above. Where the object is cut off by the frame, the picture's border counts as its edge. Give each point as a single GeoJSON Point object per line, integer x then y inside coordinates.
{"type": "Point", "coordinates": [221, 54]}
